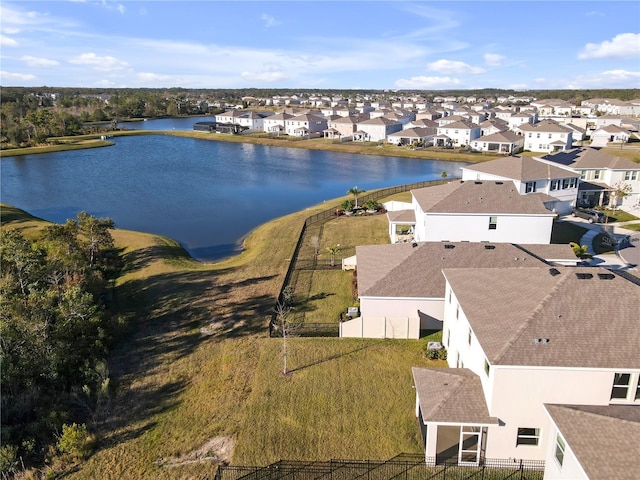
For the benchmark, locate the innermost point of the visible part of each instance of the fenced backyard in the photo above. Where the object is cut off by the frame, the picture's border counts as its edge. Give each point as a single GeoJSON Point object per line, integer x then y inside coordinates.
{"type": "Point", "coordinates": [314, 275]}
{"type": "Point", "coordinates": [402, 467]}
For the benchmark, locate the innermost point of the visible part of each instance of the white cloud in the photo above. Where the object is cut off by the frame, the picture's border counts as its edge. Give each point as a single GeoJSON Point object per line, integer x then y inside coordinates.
{"type": "Point", "coordinates": [623, 75]}
{"type": "Point", "coordinates": [39, 62]}
{"type": "Point", "coordinates": [419, 82]}
{"type": "Point", "coordinates": [99, 63]}
{"type": "Point", "coordinates": [494, 59]}
{"type": "Point", "coordinates": [268, 76]}
{"type": "Point", "coordinates": [453, 67]}
{"type": "Point", "coordinates": [4, 76]}
{"type": "Point", "coordinates": [623, 45]}
{"type": "Point", "coordinates": [120, 8]}
{"type": "Point", "coordinates": [7, 42]}
{"type": "Point", "coordinates": [10, 30]}
{"type": "Point", "coordinates": [269, 21]}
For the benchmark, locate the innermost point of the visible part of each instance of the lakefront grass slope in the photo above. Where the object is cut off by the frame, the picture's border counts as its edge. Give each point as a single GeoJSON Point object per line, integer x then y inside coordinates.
{"type": "Point", "coordinates": [197, 378]}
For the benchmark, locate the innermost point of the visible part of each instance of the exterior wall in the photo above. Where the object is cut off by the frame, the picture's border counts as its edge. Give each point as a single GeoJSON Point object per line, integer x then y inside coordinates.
{"type": "Point", "coordinates": [377, 327]}
{"type": "Point", "coordinates": [570, 469]}
{"type": "Point", "coordinates": [402, 307]}
{"type": "Point", "coordinates": [268, 125]}
{"type": "Point", "coordinates": [379, 132]}
{"type": "Point", "coordinates": [475, 228]}
{"type": "Point", "coordinates": [460, 136]}
{"type": "Point", "coordinates": [542, 141]}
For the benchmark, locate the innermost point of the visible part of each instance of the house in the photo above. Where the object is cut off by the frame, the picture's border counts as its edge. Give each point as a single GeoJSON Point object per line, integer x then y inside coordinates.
{"type": "Point", "coordinates": [531, 175]}
{"type": "Point", "coordinates": [495, 125]}
{"type": "Point", "coordinates": [479, 211]}
{"type": "Point", "coordinates": [275, 123]}
{"type": "Point", "coordinates": [462, 132]}
{"type": "Point", "coordinates": [600, 175]}
{"type": "Point", "coordinates": [546, 136]}
{"type": "Point", "coordinates": [346, 126]}
{"type": "Point", "coordinates": [412, 136]}
{"type": "Point", "coordinates": [376, 129]}
{"type": "Point", "coordinates": [609, 134]}
{"type": "Point", "coordinates": [305, 125]}
{"type": "Point", "coordinates": [520, 342]}
{"type": "Point", "coordinates": [501, 142]}
{"type": "Point", "coordinates": [252, 121]}
{"type": "Point", "coordinates": [401, 288]}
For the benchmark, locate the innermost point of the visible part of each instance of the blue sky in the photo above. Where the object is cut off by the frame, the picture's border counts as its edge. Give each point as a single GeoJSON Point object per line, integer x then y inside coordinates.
{"type": "Point", "coordinates": [321, 44]}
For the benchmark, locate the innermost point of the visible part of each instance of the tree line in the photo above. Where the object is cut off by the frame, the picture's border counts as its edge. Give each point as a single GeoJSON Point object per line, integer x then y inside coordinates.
{"type": "Point", "coordinates": [55, 333]}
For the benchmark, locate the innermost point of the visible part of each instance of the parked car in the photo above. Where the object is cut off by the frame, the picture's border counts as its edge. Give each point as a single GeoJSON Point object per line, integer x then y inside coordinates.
{"type": "Point", "coordinates": [589, 214]}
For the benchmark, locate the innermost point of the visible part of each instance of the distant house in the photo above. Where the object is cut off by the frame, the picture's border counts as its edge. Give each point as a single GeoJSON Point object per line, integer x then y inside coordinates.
{"type": "Point", "coordinates": [609, 134]}
{"type": "Point", "coordinates": [546, 136]}
{"type": "Point", "coordinates": [531, 175]}
{"type": "Point", "coordinates": [205, 126]}
{"type": "Point", "coordinates": [462, 132]}
{"type": "Point", "coordinates": [506, 143]}
{"type": "Point", "coordinates": [525, 364]}
{"type": "Point", "coordinates": [412, 136]}
{"type": "Point", "coordinates": [275, 124]}
{"type": "Point", "coordinates": [402, 290]}
{"type": "Point", "coordinates": [376, 129]}
{"type": "Point", "coordinates": [305, 125]}
{"type": "Point", "coordinates": [600, 173]}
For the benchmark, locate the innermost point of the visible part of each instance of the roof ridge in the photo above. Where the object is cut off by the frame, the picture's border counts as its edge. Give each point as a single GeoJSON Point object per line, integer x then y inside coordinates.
{"type": "Point", "coordinates": [525, 325]}
{"type": "Point", "coordinates": [579, 409]}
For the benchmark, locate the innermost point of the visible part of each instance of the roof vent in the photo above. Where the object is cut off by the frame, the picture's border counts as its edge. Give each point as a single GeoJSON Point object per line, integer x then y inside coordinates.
{"type": "Point", "coordinates": [414, 244]}
{"type": "Point", "coordinates": [541, 340]}
{"type": "Point", "coordinates": [448, 246]}
{"type": "Point", "coordinates": [499, 183]}
{"type": "Point", "coordinates": [554, 272]}
{"type": "Point", "coordinates": [489, 247]}
{"type": "Point", "coordinates": [584, 276]}
{"type": "Point", "coordinates": [606, 276]}
{"type": "Point", "coordinates": [478, 183]}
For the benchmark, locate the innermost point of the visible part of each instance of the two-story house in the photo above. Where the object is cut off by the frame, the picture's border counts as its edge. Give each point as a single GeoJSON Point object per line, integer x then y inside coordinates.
{"type": "Point", "coordinates": [531, 175]}
{"type": "Point", "coordinates": [275, 124]}
{"type": "Point", "coordinates": [376, 129]}
{"type": "Point", "coordinates": [601, 174]}
{"type": "Point", "coordinates": [462, 132]}
{"type": "Point", "coordinates": [519, 342]}
{"type": "Point", "coordinates": [478, 211]}
{"type": "Point", "coordinates": [402, 290]}
{"type": "Point", "coordinates": [506, 143]}
{"type": "Point", "coordinates": [305, 125]}
{"type": "Point", "coordinates": [546, 136]}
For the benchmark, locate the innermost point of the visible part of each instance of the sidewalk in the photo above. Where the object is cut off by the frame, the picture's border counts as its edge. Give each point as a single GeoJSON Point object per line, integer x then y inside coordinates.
{"type": "Point", "coordinates": [627, 253]}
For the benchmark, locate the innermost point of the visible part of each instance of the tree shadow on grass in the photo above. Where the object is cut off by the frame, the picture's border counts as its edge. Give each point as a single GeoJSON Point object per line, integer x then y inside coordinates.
{"type": "Point", "coordinates": [143, 257]}
{"type": "Point", "coordinates": [307, 305]}
{"type": "Point", "coordinates": [333, 357]}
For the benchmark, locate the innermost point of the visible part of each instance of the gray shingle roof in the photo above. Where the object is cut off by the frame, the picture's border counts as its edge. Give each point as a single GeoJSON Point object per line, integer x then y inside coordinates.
{"type": "Point", "coordinates": [586, 158]}
{"type": "Point", "coordinates": [575, 308]}
{"type": "Point", "coordinates": [604, 439]}
{"type": "Point", "coordinates": [401, 270]}
{"type": "Point", "coordinates": [482, 197]}
{"type": "Point", "coordinates": [451, 395]}
{"type": "Point", "coordinates": [522, 168]}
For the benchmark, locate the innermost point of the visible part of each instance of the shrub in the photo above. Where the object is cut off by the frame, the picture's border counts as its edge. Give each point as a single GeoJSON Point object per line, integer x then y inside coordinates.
{"type": "Point", "coordinates": [74, 441]}
{"type": "Point", "coordinates": [438, 354]}
{"type": "Point", "coordinates": [347, 205]}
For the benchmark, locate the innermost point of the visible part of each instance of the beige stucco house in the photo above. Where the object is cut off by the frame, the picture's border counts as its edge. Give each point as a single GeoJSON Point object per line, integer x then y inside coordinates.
{"type": "Point", "coordinates": [519, 341]}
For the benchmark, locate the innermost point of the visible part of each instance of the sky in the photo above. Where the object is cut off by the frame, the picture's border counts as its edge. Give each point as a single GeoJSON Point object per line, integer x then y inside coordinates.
{"type": "Point", "coordinates": [321, 44]}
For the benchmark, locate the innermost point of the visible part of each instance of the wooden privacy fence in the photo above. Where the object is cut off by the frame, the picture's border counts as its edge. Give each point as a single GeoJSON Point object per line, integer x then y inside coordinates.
{"type": "Point", "coordinates": [297, 263]}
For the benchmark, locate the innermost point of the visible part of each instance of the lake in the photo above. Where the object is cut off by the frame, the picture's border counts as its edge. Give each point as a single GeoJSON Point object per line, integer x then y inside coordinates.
{"type": "Point", "coordinates": [207, 195]}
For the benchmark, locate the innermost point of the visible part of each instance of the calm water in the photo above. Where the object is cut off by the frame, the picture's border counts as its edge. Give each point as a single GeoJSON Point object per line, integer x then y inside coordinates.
{"type": "Point", "coordinates": [207, 195]}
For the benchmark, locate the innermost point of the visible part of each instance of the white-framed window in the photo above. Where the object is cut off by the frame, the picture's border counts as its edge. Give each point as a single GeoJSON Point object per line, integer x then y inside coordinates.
{"type": "Point", "coordinates": [631, 175]}
{"type": "Point", "coordinates": [554, 184]}
{"type": "Point", "coordinates": [583, 174]}
{"type": "Point", "coordinates": [626, 387]}
{"type": "Point", "coordinates": [560, 447]}
{"type": "Point", "coordinates": [457, 312]}
{"type": "Point", "coordinates": [596, 174]}
{"type": "Point", "coordinates": [528, 436]}
{"type": "Point", "coordinates": [493, 223]}
{"type": "Point", "coordinates": [530, 187]}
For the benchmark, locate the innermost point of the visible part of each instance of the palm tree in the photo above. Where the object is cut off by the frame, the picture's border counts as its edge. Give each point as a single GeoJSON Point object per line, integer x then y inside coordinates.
{"type": "Point", "coordinates": [355, 191]}
{"type": "Point", "coordinates": [333, 251]}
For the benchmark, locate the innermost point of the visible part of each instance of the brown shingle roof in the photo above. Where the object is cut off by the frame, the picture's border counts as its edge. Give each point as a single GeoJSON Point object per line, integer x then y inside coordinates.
{"type": "Point", "coordinates": [522, 168]}
{"type": "Point", "coordinates": [451, 395]}
{"type": "Point", "coordinates": [575, 308]}
{"type": "Point", "coordinates": [604, 439]}
{"type": "Point", "coordinates": [401, 270]}
{"type": "Point", "coordinates": [486, 197]}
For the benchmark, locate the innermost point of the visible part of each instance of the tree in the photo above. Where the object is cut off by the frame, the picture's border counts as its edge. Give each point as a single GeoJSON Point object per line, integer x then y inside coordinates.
{"type": "Point", "coordinates": [621, 190]}
{"type": "Point", "coordinates": [282, 310]}
{"type": "Point", "coordinates": [333, 251]}
{"type": "Point", "coordinates": [355, 191]}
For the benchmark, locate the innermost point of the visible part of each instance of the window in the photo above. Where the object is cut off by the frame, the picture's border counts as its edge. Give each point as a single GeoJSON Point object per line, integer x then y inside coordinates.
{"type": "Point", "coordinates": [530, 187]}
{"type": "Point", "coordinates": [596, 175]}
{"type": "Point", "coordinates": [457, 312]}
{"type": "Point", "coordinates": [487, 367]}
{"type": "Point", "coordinates": [538, 135]}
{"type": "Point", "coordinates": [549, 135]}
{"type": "Point", "coordinates": [583, 174]}
{"type": "Point", "coordinates": [560, 446]}
{"type": "Point", "coordinates": [528, 436]}
{"type": "Point", "coordinates": [621, 384]}
{"type": "Point", "coordinates": [493, 223]}
{"type": "Point", "coordinates": [469, 337]}
{"type": "Point", "coordinates": [565, 183]}
{"type": "Point", "coordinates": [630, 175]}
{"type": "Point", "coordinates": [554, 184]}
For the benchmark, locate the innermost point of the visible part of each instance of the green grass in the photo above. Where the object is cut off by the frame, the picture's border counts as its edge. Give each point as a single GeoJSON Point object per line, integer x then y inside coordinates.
{"type": "Point", "coordinates": [619, 216]}
{"type": "Point", "coordinates": [632, 226]}
{"type": "Point", "coordinates": [195, 361]}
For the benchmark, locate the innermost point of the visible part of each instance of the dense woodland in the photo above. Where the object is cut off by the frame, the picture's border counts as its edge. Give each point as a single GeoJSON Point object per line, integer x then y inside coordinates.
{"type": "Point", "coordinates": [55, 333]}
{"type": "Point", "coordinates": [29, 116]}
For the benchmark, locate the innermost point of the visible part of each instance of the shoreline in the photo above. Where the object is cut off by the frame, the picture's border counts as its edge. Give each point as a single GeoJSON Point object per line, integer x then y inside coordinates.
{"type": "Point", "coordinates": [386, 150]}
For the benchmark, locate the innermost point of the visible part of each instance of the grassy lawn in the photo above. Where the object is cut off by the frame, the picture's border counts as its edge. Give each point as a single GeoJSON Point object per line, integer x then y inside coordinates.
{"type": "Point", "coordinates": [633, 226]}
{"type": "Point", "coordinates": [619, 216]}
{"type": "Point", "coordinates": [194, 362]}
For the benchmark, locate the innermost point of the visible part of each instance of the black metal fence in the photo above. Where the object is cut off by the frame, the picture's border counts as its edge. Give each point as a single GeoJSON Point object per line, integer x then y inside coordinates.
{"type": "Point", "coordinates": [402, 467]}
{"type": "Point", "coordinates": [300, 263]}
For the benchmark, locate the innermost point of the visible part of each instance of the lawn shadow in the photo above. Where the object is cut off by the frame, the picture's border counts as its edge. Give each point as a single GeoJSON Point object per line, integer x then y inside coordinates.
{"type": "Point", "coordinates": [332, 357]}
